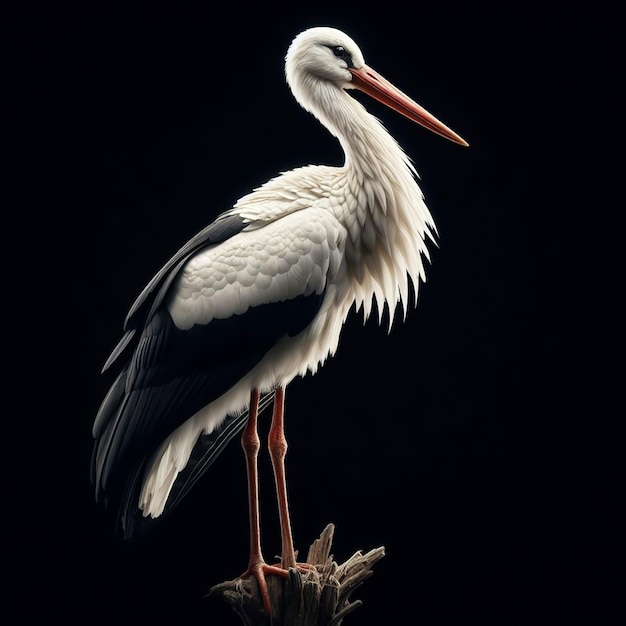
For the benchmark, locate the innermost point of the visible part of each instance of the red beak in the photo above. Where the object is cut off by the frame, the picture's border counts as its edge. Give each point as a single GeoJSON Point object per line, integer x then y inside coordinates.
{"type": "Point", "coordinates": [373, 84]}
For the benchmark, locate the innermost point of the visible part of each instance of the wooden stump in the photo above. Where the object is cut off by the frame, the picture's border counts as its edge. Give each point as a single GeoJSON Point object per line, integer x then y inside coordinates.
{"type": "Point", "coordinates": [319, 597]}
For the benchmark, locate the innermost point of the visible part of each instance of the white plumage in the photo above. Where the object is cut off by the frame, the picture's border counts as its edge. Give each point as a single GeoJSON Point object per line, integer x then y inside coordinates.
{"type": "Point", "coordinates": [260, 296]}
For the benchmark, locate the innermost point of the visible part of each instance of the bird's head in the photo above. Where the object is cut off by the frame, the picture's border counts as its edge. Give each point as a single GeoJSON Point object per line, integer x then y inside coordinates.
{"type": "Point", "coordinates": [323, 57]}
{"type": "Point", "coordinates": [322, 54]}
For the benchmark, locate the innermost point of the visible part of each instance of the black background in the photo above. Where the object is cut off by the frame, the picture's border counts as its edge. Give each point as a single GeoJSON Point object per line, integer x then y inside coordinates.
{"type": "Point", "coordinates": [478, 441]}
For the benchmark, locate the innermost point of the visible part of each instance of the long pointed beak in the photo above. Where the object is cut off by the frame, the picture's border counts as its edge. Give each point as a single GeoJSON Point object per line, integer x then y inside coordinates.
{"type": "Point", "coordinates": [373, 84]}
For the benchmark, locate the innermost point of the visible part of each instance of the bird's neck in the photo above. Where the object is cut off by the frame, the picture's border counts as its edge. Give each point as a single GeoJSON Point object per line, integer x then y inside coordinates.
{"type": "Point", "coordinates": [384, 213]}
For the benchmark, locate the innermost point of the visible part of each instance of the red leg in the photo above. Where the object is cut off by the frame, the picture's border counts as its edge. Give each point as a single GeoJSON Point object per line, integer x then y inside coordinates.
{"type": "Point", "coordinates": [250, 444]}
{"type": "Point", "coordinates": [257, 566]}
{"type": "Point", "coordinates": [278, 449]}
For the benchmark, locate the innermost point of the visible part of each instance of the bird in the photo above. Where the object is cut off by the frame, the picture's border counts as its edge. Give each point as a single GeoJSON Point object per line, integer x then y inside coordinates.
{"type": "Point", "coordinates": [260, 297]}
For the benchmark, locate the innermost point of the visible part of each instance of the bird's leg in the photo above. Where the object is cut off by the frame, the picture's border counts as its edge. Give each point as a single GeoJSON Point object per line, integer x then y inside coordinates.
{"type": "Point", "coordinates": [277, 445]}
{"type": "Point", "coordinates": [250, 444]}
{"type": "Point", "coordinates": [257, 566]}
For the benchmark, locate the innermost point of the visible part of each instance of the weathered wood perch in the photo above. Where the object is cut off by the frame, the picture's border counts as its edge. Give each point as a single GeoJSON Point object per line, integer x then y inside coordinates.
{"type": "Point", "coordinates": [319, 597]}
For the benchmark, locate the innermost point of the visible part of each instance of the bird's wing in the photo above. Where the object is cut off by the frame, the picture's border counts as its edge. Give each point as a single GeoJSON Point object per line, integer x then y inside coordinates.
{"type": "Point", "coordinates": [215, 317]}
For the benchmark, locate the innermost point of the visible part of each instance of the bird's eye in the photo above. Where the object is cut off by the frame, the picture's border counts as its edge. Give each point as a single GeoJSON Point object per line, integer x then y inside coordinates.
{"type": "Point", "coordinates": [341, 53]}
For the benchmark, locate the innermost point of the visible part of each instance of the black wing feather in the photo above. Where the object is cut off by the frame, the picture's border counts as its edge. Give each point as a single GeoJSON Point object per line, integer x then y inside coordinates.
{"type": "Point", "coordinates": [172, 375]}
{"type": "Point", "coordinates": [151, 298]}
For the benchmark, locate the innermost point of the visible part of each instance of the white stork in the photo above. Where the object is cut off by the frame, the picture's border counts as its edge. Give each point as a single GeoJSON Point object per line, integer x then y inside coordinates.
{"type": "Point", "coordinates": [260, 296]}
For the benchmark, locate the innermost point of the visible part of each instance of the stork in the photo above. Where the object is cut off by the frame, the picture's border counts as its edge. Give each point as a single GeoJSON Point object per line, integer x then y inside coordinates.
{"type": "Point", "coordinates": [260, 296]}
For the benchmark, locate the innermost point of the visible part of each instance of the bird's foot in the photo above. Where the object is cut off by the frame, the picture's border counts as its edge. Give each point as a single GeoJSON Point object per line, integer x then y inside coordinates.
{"type": "Point", "coordinates": [260, 570]}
